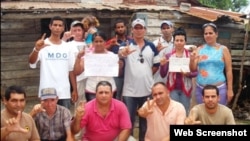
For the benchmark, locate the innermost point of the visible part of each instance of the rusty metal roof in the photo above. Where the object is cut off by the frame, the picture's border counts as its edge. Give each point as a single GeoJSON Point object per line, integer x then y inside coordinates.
{"type": "Point", "coordinates": [213, 15]}
{"type": "Point", "coordinates": [22, 5]}
{"type": "Point", "coordinates": [208, 14]}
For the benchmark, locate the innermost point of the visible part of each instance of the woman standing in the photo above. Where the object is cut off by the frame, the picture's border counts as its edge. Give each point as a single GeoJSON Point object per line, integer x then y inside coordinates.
{"type": "Point", "coordinates": [99, 41]}
{"type": "Point", "coordinates": [179, 83]}
{"type": "Point", "coordinates": [210, 60]}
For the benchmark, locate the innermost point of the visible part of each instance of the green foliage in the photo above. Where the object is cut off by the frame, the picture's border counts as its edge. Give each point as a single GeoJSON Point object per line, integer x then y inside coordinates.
{"type": "Point", "coordinates": [237, 4]}
{"type": "Point", "coordinates": [233, 5]}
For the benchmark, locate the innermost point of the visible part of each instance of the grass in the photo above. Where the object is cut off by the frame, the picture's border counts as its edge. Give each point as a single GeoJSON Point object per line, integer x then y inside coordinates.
{"type": "Point", "coordinates": [247, 122]}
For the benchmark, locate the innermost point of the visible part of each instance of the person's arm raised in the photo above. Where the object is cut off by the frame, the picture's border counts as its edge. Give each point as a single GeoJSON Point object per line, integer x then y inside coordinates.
{"type": "Point", "coordinates": [164, 66]}
{"type": "Point", "coordinates": [191, 119]}
{"type": "Point", "coordinates": [38, 46]}
{"type": "Point", "coordinates": [37, 109]}
{"type": "Point", "coordinates": [12, 125]}
{"type": "Point", "coordinates": [112, 42]}
{"type": "Point", "coordinates": [79, 63]}
{"type": "Point", "coordinates": [144, 111]}
{"type": "Point", "coordinates": [159, 46]}
{"type": "Point", "coordinates": [67, 35]}
{"type": "Point", "coordinates": [80, 111]}
{"type": "Point", "coordinates": [194, 57]}
{"type": "Point", "coordinates": [125, 51]}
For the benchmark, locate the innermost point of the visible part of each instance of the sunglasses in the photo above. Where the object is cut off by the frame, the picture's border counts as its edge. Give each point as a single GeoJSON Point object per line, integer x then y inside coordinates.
{"type": "Point", "coordinates": [141, 59]}
{"type": "Point", "coordinates": [209, 24]}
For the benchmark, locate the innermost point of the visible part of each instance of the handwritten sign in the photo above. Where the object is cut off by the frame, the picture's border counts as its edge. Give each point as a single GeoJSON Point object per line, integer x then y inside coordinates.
{"type": "Point", "coordinates": [179, 64]}
{"type": "Point", "coordinates": [101, 65]}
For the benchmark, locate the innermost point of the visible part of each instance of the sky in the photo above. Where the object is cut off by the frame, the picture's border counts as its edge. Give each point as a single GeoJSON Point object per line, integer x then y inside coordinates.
{"type": "Point", "coordinates": [246, 9]}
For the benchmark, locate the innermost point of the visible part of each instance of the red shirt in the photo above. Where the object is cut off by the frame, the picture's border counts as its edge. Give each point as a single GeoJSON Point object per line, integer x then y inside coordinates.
{"type": "Point", "coordinates": [98, 128]}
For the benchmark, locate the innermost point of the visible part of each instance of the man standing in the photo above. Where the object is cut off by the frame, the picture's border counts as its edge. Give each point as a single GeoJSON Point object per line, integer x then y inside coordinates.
{"type": "Point", "coordinates": [161, 112]}
{"type": "Point", "coordinates": [113, 45]}
{"type": "Point", "coordinates": [164, 45]}
{"type": "Point", "coordinates": [139, 55]}
{"type": "Point", "coordinates": [56, 63]}
{"type": "Point", "coordinates": [15, 124]}
{"type": "Point", "coordinates": [76, 45]}
{"type": "Point", "coordinates": [103, 118]}
{"type": "Point", "coordinates": [52, 120]}
{"type": "Point", "coordinates": [210, 112]}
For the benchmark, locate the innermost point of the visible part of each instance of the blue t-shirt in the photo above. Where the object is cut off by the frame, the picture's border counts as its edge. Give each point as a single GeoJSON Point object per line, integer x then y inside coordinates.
{"type": "Point", "coordinates": [211, 66]}
{"type": "Point", "coordinates": [88, 39]}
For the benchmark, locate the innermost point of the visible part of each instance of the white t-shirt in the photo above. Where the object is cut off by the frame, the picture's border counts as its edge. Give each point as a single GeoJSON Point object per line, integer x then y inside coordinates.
{"type": "Point", "coordinates": [75, 47]}
{"type": "Point", "coordinates": [168, 48]}
{"type": "Point", "coordinates": [56, 61]}
{"type": "Point", "coordinates": [138, 77]}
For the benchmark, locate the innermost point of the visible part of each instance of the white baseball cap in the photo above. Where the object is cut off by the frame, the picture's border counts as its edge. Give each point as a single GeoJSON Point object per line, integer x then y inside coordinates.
{"type": "Point", "coordinates": [169, 23]}
{"type": "Point", "coordinates": [74, 23]}
{"type": "Point", "coordinates": [138, 21]}
{"type": "Point", "coordinates": [48, 93]}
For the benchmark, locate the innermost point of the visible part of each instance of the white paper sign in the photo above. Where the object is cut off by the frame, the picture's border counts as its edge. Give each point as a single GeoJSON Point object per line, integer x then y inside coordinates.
{"type": "Point", "coordinates": [179, 64]}
{"type": "Point", "coordinates": [101, 64]}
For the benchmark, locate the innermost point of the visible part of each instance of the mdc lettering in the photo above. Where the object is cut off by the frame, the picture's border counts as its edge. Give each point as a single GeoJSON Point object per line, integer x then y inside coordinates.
{"type": "Point", "coordinates": [57, 55]}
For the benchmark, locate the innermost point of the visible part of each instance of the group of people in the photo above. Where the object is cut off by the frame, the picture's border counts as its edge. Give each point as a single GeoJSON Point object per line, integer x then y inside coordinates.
{"type": "Point", "coordinates": [145, 84]}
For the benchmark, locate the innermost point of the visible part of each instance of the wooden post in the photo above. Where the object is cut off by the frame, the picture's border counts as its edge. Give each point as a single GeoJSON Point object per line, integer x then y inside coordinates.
{"type": "Point", "coordinates": [241, 66]}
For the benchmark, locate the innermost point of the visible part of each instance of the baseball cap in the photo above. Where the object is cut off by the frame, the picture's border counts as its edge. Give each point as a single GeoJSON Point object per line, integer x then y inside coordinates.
{"type": "Point", "coordinates": [47, 93]}
{"type": "Point", "coordinates": [138, 21]}
{"type": "Point", "coordinates": [74, 23]}
{"type": "Point", "coordinates": [169, 23]}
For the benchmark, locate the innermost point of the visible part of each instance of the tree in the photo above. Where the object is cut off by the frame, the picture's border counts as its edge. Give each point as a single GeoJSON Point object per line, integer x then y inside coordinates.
{"type": "Point", "coordinates": [238, 4]}
{"type": "Point", "coordinates": [233, 5]}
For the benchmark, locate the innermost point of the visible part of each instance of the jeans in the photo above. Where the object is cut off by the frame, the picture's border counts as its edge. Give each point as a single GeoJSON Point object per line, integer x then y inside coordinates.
{"type": "Point", "coordinates": [133, 104]}
{"type": "Point", "coordinates": [119, 85]}
{"type": "Point", "coordinates": [64, 102]}
{"type": "Point", "coordinates": [179, 95]}
{"type": "Point", "coordinates": [89, 96]}
{"type": "Point", "coordinates": [81, 90]}
{"type": "Point", "coordinates": [61, 139]}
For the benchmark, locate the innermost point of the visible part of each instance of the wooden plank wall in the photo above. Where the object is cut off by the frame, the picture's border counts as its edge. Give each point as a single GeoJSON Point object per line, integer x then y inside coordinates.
{"type": "Point", "coordinates": [17, 41]}
{"type": "Point", "coordinates": [190, 24]}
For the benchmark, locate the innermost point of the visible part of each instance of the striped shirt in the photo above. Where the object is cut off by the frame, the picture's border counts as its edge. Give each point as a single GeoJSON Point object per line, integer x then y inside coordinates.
{"type": "Point", "coordinates": [53, 128]}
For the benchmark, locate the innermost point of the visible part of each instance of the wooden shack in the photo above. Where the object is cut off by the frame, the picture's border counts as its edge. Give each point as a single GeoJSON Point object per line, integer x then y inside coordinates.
{"type": "Point", "coordinates": [23, 22]}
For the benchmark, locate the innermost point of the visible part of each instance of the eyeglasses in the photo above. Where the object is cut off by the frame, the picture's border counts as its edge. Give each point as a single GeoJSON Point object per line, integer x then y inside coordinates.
{"type": "Point", "coordinates": [209, 24]}
{"type": "Point", "coordinates": [141, 59]}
